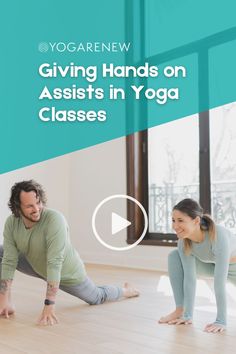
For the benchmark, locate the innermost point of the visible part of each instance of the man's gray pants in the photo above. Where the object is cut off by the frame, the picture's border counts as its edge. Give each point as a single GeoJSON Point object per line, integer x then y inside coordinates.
{"type": "Point", "coordinates": [86, 291]}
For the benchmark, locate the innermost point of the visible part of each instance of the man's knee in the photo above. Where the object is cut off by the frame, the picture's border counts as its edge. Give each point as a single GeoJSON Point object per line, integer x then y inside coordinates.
{"type": "Point", "coordinates": [94, 302]}
{"type": "Point", "coordinates": [1, 252]}
{"type": "Point", "coordinates": [99, 296]}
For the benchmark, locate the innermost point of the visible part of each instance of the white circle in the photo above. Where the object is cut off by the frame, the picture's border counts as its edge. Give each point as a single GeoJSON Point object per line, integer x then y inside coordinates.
{"type": "Point", "coordinates": [106, 244]}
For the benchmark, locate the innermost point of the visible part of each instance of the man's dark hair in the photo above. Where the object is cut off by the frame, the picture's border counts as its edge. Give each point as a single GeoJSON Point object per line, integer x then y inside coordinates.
{"type": "Point", "coordinates": [26, 186]}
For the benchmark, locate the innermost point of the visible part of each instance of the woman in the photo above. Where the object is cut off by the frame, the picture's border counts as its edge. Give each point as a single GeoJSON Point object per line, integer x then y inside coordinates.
{"type": "Point", "coordinates": [204, 248]}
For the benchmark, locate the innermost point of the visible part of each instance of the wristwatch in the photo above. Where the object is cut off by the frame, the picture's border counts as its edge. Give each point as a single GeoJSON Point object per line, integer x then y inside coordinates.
{"type": "Point", "coordinates": [49, 302]}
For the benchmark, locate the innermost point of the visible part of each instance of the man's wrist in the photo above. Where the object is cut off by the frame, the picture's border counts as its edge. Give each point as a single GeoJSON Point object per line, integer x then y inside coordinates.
{"type": "Point", "coordinates": [48, 302]}
{"type": "Point", "coordinates": [5, 285]}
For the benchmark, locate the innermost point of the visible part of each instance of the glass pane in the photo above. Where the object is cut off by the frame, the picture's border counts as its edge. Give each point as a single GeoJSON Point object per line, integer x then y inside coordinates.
{"type": "Point", "coordinates": [160, 36]}
{"type": "Point", "coordinates": [223, 164]}
{"type": "Point", "coordinates": [173, 160]}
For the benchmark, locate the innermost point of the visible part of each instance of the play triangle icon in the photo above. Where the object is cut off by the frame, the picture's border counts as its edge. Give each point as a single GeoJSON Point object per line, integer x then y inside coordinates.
{"type": "Point", "coordinates": [118, 223]}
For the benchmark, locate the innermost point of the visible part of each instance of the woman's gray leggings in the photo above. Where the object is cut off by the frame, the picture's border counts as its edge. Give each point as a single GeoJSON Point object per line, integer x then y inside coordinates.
{"type": "Point", "coordinates": [176, 274]}
{"type": "Point", "coordinates": [86, 291]}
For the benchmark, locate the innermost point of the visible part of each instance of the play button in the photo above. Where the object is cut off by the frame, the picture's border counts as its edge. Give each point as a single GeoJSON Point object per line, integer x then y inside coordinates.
{"type": "Point", "coordinates": [118, 223]}
{"type": "Point", "coordinates": [109, 220]}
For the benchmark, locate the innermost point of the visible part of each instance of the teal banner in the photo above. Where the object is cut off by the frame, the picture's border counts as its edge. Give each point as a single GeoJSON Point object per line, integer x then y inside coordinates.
{"type": "Point", "coordinates": [79, 73]}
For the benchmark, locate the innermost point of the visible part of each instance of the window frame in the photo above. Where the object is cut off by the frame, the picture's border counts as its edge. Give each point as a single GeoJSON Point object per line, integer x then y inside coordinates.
{"type": "Point", "coordinates": [137, 143]}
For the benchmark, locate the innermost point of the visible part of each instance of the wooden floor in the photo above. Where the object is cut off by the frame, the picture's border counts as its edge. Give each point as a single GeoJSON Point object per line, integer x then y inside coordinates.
{"type": "Point", "coordinates": [124, 327]}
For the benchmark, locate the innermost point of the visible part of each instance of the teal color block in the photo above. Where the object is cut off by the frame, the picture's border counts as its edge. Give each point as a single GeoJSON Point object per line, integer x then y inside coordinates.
{"type": "Point", "coordinates": [199, 35]}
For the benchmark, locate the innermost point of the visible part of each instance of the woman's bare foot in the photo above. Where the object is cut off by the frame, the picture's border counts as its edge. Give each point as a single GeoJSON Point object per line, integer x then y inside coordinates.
{"type": "Point", "coordinates": [172, 316]}
{"type": "Point", "coordinates": [130, 291]}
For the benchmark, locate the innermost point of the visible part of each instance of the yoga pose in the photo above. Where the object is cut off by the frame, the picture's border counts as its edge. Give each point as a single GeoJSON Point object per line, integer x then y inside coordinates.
{"type": "Point", "coordinates": [204, 248]}
{"type": "Point", "coordinates": [37, 243]}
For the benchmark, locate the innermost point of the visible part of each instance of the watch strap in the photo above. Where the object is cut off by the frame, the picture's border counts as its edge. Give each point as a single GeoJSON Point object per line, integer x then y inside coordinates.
{"type": "Point", "coordinates": [49, 302]}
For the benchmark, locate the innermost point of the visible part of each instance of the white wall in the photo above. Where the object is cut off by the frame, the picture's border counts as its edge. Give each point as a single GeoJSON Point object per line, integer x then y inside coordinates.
{"type": "Point", "coordinates": [96, 173]}
{"type": "Point", "coordinates": [52, 174]}
{"type": "Point", "coordinates": [75, 184]}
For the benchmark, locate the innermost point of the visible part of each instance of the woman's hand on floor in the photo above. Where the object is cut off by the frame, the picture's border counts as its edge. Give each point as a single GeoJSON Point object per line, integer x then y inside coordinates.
{"type": "Point", "coordinates": [180, 321]}
{"type": "Point", "coordinates": [214, 328]}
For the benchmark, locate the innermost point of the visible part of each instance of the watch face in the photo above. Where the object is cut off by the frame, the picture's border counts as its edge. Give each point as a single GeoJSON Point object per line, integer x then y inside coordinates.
{"type": "Point", "coordinates": [49, 302]}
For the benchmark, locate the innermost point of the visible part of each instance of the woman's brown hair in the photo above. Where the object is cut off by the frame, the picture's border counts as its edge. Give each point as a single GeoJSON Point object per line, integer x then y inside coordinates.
{"type": "Point", "coordinates": [193, 209]}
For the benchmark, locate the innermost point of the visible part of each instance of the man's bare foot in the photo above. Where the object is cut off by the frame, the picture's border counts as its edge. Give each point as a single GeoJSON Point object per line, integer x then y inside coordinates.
{"type": "Point", "coordinates": [172, 316]}
{"type": "Point", "coordinates": [130, 291]}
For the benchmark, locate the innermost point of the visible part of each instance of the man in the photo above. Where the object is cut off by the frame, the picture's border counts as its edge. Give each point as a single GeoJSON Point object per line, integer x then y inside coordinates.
{"type": "Point", "coordinates": [37, 243]}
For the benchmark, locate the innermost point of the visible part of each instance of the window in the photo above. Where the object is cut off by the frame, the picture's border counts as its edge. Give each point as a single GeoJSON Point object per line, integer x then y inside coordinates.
{"type": "Point", "coordinates": [223, 165]}
{"type": "Point", "coordinates": [173, 172]}
{"type": "Point", "coordinates": [189, 157]}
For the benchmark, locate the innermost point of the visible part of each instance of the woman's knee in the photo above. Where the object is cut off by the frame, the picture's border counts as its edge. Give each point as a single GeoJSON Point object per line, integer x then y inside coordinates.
{"type": "Point", "coordinates": [174, 258]}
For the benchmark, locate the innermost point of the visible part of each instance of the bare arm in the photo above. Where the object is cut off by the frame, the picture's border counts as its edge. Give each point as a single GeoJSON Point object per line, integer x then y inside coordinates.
{"type": "Point", "coordinates": [6, 308]}
{"type": "Point", "coordinates": [48, 316]}
{"type": "Point", "coordinates": [5, 286]}
{"type": "Point", "coordinates": [55, 248]}
{"type": "Point", "coordinates": [52, 288]}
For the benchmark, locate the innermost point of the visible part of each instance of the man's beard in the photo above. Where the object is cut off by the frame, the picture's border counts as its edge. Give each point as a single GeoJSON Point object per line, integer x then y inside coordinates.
{"type": "Point", "coordinates": [31, 219]}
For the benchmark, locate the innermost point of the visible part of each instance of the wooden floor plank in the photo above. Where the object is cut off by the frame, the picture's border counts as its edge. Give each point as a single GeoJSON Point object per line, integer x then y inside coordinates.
{"type": "Point", "coordinates": [124, 327]}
